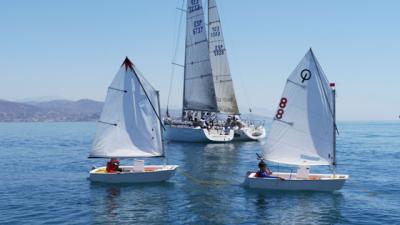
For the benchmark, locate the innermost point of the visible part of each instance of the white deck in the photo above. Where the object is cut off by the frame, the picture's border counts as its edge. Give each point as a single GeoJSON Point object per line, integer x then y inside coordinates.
{"type": "Point", "coordinates": [196, 134]}
{"type": "Point", "coordinates": [151, 173]}
{"type": "Point", "coordinates": [249, 134]}
{"type": "Point", "coordinates": [314, 182]}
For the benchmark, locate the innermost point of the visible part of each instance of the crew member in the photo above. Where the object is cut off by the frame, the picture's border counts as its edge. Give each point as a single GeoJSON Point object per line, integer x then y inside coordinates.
{"type": "Point", "coordinates": [113, 166]}
{"type": "Point", "coordinates": [264, 171]}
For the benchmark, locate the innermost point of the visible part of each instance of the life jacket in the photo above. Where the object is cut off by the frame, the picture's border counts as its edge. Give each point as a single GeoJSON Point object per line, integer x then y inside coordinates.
{"type": "Point", "coordinates": [263, 174]}
{"type": "Point", "coordinates": [111, 166]}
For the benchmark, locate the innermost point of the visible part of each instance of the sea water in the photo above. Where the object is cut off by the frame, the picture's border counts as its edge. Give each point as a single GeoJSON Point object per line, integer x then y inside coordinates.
{"type": "Point", "coordinates": [44, 169]}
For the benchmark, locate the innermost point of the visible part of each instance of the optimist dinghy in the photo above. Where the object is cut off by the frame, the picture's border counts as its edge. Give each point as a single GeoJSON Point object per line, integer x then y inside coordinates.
{"type": "Point", "coordinates": [130, 127]}
{"type": "Point", "coordinates": [303, 133]}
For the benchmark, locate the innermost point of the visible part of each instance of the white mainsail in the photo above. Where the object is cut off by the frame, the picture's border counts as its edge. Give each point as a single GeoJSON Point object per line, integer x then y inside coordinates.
{"type": "Point", "coordinates": [302, 130]}
{"type": "Point", "coordinates": [198, 93]}
{"type": "Point", "coordinates": [224, 90]}
{"type": "Point", "coordinates": [129, 125]}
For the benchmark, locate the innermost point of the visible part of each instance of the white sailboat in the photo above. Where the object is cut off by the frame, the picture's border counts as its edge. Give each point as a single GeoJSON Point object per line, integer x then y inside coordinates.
{"type": "Point", "coordinates": [199, 91]}
{"type": "Point", "coordinates": [130, 127]}
{"type": "Point", "coordinates": [224, 90]}
{"type": "Point", "coordinates": [303, 133]}
{"type": "Point", "coordinates": [208, 85]}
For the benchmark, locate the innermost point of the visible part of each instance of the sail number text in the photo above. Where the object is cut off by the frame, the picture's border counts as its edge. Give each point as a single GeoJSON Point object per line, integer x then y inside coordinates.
{"type": "Point", "coordinates": [281, 111]}
{"type": "Point", "coordinates": [195, 6]}
{"type": "Point", "coordinates": [198, 27]}
{"type": "Point", "coordinates": [215, 32]}
{"type": "Point", "coordinates": [219, 50]}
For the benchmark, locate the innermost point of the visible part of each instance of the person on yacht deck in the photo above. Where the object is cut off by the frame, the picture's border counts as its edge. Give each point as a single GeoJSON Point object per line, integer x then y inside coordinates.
{"type": "Point", "coordinates": [190, 116]}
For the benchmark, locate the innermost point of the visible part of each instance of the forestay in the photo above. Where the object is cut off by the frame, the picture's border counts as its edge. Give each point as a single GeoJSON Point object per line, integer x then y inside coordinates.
{"type": "Point", "coordinates": [302, 130]}
{"type": "Point", "coordinates": [129, 124]}
{"type": "Point", "coordinates": [224, 90]}
{"type": "Point", "coordinates": [199, 93]}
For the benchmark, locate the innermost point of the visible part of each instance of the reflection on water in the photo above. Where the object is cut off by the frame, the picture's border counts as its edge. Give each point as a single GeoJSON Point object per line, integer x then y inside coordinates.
{"type": "Point", "coordinates": [143, 203]}
{"type": "Point", "coordinates": [111, 200]}
{"type": "Point", "coordinates": [305, 207]}
{"type": "Point", "coordinates": [208, 171]}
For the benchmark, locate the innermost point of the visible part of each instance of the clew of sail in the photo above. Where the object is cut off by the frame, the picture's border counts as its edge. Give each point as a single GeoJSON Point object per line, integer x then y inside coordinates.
{"type": "Point", "coordinates": [301, 132]}
{"type": "Point", "coordinates": [223, 83]}
{"type": "Point", "coordinates": [129, 125]}
{"type": "Point", "coordinates": [198, 93]}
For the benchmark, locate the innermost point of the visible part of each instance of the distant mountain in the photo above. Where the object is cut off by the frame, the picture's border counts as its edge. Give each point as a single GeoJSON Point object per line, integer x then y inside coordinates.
{"type": "Point", "coordinates": [38, 99]}
{"type": "Point", "coordinates": [50, 111]}
{"type": "Point", "coordinates": [12, 111]}
{"type": "Point", "coordinates": [81, 110]}
{"type": "Point", "coordinates": [83, 106]}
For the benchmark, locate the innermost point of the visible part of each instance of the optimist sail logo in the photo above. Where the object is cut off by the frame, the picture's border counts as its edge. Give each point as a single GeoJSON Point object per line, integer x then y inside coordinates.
{"type": "Point", "coordinates": [305, 75]}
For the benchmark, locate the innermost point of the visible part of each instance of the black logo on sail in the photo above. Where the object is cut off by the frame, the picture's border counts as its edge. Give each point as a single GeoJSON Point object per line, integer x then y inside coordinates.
{"type": "Point", "coordinates": [305, 75]}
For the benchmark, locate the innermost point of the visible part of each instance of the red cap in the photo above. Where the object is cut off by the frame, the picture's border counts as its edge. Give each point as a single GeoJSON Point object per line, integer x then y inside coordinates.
{"type": "Point", "coordinates": [331, 84]}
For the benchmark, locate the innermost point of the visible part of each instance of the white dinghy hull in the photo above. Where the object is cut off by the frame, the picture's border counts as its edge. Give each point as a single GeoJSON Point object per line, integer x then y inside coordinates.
{"type": "Point", "coordinates": [151, 174]}
{"type": "Point", "coordinates": [196, 134]}
{"type": "Point", "coordinates": [249, 134]}
{"type": "Point", "coordinates": [314, 182]}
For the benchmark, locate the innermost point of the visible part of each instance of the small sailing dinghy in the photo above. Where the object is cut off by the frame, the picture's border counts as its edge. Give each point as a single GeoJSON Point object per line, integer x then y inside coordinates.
{"type": "Point", "coordinates": [303, 133]}
{"type": "Point", "coordinates": [130, 127]}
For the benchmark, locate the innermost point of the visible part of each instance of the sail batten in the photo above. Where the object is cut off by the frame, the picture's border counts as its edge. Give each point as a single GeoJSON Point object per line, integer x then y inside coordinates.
{"type": "Point", "coordinates": [301, 132]}
{"type": "Point", "coordinates": [199, 92]}
{"type": "Point", "coordinates": [223, 83]}
{"type": "Point", "coordinates": [129, 125]}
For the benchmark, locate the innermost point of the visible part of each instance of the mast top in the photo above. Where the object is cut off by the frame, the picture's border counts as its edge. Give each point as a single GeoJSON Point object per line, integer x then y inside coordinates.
{"type": "Point", "coordinates": [127, 63]}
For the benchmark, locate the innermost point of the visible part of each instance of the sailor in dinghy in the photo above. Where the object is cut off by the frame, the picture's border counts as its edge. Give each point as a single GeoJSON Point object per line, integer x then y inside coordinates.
{"type": "Point", "coordinates": [130, 127]}
{"type": "Point", "coordinates": [264, 171]}
{"type": "Point", "coordinates": [303, 133]}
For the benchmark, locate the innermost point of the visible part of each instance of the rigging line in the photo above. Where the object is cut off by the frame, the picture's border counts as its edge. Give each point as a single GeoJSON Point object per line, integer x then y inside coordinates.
{"type": "Point", "coordinates": [199, 77]}
{"type": "Point", "coordinates": [116, 89]}
{"type": "Point", "coordinates": [175, 52]}
{"type": "Point", "coordinates": [246, 95]}
{"type": "Point", "coordinates": [196, 43]}
{"type": "Point", "coordinates": [147, 96]}
{"type": "Point", "coordinates": [112, 124]}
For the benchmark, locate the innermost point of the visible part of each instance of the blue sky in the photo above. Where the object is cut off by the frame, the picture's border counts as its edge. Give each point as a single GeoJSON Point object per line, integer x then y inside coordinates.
{"type": "Point", "coordinates": [72, 49]}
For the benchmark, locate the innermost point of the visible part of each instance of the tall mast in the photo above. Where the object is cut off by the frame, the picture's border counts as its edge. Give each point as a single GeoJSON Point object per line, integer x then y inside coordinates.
{"type": "Point", "coordinates": [161, 125]}
{"type": "Point", "coordinates": [208, 23]}
{"type": "Point", "coordinates": [332, 85]}
{"type": "Point", "coordinates": [184, 70]}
